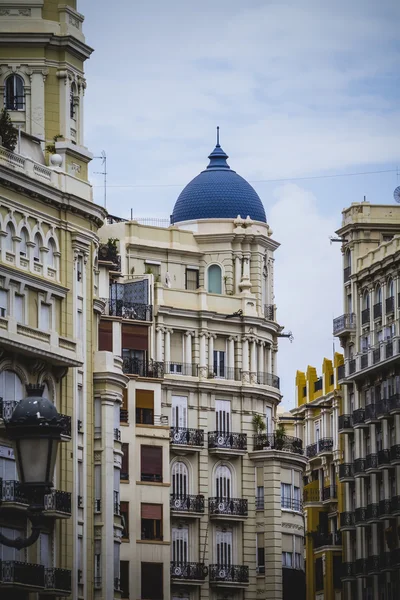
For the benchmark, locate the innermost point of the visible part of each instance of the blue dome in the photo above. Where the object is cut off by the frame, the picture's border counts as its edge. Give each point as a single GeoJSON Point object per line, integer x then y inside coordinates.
{"type": "Point", "coordinates": [218, 193]}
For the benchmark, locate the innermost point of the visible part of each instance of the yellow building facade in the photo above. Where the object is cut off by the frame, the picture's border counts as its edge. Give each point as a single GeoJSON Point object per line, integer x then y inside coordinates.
{"type": "Point", "coordinates": [315, 421]}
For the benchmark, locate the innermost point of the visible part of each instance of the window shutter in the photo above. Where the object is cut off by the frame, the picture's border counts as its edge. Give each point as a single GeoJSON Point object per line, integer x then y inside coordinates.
{"type": "Point", "coordinates": [260, 476]}
{"type": "Point", "coordinates": [151, 511]}
{"type": "Point", "coordinates": [145, 399]}
{"type": "Point", "coordinates": [134, 337]}
{"type": "Point", "coordinates": [105, 336]}
{"type": "Point", "coordinates": [125, 462]}
{"type": "Point", "coordinates": [151, 460]}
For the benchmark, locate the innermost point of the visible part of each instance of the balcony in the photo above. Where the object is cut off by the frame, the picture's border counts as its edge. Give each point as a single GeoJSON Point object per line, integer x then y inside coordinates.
{"type": "Point", "coordinates": [377, 310]}
{"type": "Point", "coordinates": [382, 408]}
{"type": "Point", "coordinates": [359, 467]}
{"type": "Point", "coordinates": [188, 572]}
{"type": "Point", "coordinates": [372, 514]}
{"type": "Point", "coordinates": [58, 504]}
{"type": "Point", "coordinates": [345, 423]}
{"type": "Point", "coordinates": [359, 417]}
{"type": "Point", "coordinates": [395, 554]}
{"type": "Point", "coordinates": [117, 434]}
{"type": "Point", "coordinates": [189, 439]}
{"type": "Point", "coordinates": [370, 413]}
{"type": "Point", "coordinates": [184, 369]}
{"type": "Point", "coordinates": [229, 575]}
{"type": "Point", "coordinates": [12, 494]}
{"type": "Point", "coordinates": [123, 415]}
{"type": "Point", "coordinates": [347, 571]}
{"type": "Point", "coordinates": [395, 506]}
{"type": "Point", "coordinates": [21, 576]}
{"type": "Point", "coordinates": [311, 496]}
{"type": "Point", "coordinates": [127, 310]}
{"type": "Point", "coordinates": [228, 508]}
{"type": "Point", "coordinates": [347, 520]}
{"type": "Point", "coordinates": [153, 369]}
{"type": "Point", "coordinates": [394, 404]}
{"type": "Point", "coordinates": [346, 274]}
{"type": "Point", "coordinates": [344, 324]}
{"type": "Point", "coordinates": [389, 305]}
{"type": "Point", "coordinates": [329, 493]}
{"type": "Point", "coordinates": [227, 443]}
{"type": "Point", "coordinates": [269, 312]}
{"type": "Point", "coordinates": [361, 567]}
{"type": "Point", "coordinates": [395, 454]}
{"type": "Point", "coordinates": [321, 539]}
{"type": "Point", "coordinates": [292, 504]}
{"type": "Point", "coordinates": [263, 441]}
{"type": "Point", "coordinates": [373, 565]}
{"type": "Point", "coordinates": [341, 372]}
{"type": "Point", "coordinates": [322, 446]}
{"type": "Point", "coordinates": [365, 316]}
{"type": "Point", "coordinates": [185, 503]}
{"type": "Point", "coordinates": [386, 561]}
{"type": "Point", "coordinates": [383, 457]}
{"type": "Point", "coordinates": [268, 379]}
{"type": "Point", "coordinates": [221, 372]}
{"type": "Point", "coordinates": [371, 463]}
{"type": "Point", "coordinates": [352, 366]}
{"type": "Point", "coordinates": [385, 508]}
{"type": "Point", "coordinates": [360, 516]}
{"type": "Point", "coordinates": [57, 582]}
{"type": "Point", "coordinates": [346, 472]}
{"type": "Point", "coordinates": [364, 360]}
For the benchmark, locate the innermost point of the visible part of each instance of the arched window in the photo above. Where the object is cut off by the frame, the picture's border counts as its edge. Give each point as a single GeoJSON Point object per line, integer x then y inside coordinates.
{"type": "Point", "coordinates": [365, 301]}
{"type": "Point", "coordinates": [214, 279]}
{"type": "Point", "coordinates": [23, 247]}
{"type": "Point", "coordinates": [11, 387]}
{"type": "Point", "coordinates": [378, 295]}
{"type": "Point", "coordinates": [50, 255]}
{"type": "Point", "coordinates": [14, 93]}
{"type": "Point", "coordinates": [390, 289]}
{"type": "Point", "coordinates": [347, 262]}
{"type": "Point", "coordinates": [72, 95]}
{"type": "Point", "coordinates": [180, 479]}
{"type": "Point", "coordinates": [37, 252]}
{"type": "Point", "coordinates": [9, 241]}
{"type": "Point", "coordinates": [223, 482]}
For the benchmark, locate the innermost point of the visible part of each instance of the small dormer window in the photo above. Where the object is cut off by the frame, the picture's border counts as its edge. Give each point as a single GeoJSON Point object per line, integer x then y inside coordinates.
{"type": "Point", "coordinates": [14, 93]}
{"type": "Point", "coordinates": [214, 279]}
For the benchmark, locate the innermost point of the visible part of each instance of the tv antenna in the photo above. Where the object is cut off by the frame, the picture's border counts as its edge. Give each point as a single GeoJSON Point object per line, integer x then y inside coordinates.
{"type": "Point", "coordinates": [103, 158]}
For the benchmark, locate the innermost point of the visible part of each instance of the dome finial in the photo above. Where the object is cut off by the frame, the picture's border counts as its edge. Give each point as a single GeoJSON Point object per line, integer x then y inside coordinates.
{"type": "Point", "coordinates": [218, 136]}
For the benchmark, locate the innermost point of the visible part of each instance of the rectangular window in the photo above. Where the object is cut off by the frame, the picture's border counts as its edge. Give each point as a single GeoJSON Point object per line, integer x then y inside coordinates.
{"type": "Point", "coordinates": [180, 544]}
{"type": "Point", "coordinates": [125, 520]}
{"type": "Point", "coordinates": [179, 411]}
{"type": "Point", "coordinates": [124, 576]}
{"type": "Point", "coordinates": [125, 463]}
{"type": "Point", "coordinates": [268, 420]}
{"type": "Point", "coordinates": [286, 495]}
{"type": "Point", "coordinates": [219, 363]}
{"type": "Point", "coordinates": [260, 498]}
{"type": "Point", "coordinates": [297, 560]}
{"type": "Point", "coordinates": [144, 407]}
{"type": "Point", "coordinates": [7, 553]}
{"type": "Point", "coordinates": [124, 411]}
{"type": "Point", "coordinates": [105, 336]}
{"type": "Point", "coordinates": [260, 553]}
{"type": "Point", "coordinates": [152, 581]}
{"type": "Point", "coordinates": [287, 559]}
{"type": "Point", "coordinates": [223, 416]}
{"type": "Point", "coordinates": [151, 463]}
{"type": "Point", "coordinates": [153, 268]}
{"type": "Point", "coordinates": [224, 548]}
{"type": "Point", "coordinates": [319, 575]}
{"type": "Point", "coordinates": [3, 303]}
{"type": "Point", "coordinates": [97, 488]}
{"type": "Point", "coordinates": [192, 279]}
{"type": "Point", "coordinates": [19, 308]}
{"type": "Point", "coordinates": [44, 320]}
{"type": "Point", "coordinates": [135, 337]}
{"type": "Point", "coordinates": [296, 498]}
{"type": "Point", "coordinates": [316, 431]}
{"type": "Point", "coordinates": [151, 522]}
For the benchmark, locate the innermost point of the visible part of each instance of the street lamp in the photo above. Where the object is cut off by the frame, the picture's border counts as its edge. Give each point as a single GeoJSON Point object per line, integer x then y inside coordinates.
{"type": "Point", "coordinates": [35, 428]}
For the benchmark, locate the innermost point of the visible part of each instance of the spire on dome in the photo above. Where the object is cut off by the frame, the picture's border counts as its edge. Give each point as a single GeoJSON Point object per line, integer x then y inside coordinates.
{"type": "Point", "coordinates": [218, 157]}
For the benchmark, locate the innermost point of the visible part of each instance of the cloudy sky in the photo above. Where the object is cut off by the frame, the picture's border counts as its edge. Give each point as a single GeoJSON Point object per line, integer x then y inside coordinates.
{"type": "Point", "coordinates": [300, 89]}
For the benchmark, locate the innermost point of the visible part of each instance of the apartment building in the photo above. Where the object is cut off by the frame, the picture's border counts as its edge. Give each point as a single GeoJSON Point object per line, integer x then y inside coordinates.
{"type": "Point", "coordinates": [210, 499]}
{"type": "Point", "coordinates": [315, 421]}
{"type": "Point", "coordinates": [48, 241]}
{"type": "Point", "coordinates": [370, 423]}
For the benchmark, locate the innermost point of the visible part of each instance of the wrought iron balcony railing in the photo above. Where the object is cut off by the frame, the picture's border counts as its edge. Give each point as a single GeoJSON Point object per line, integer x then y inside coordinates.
{"type": "Point", "coordinates": [123, 415]}
{"type": "Point", "coordinates": [384, 457]}
{"type": "Point", "coordinates": [386, 561]}
{"type": "Point", "coordinates": [269, 312]}
{"type": "Point", "coordinates": [358, 416]}
{"type": "Point", "coordinates": [323, 445]}
{"type": "Point", "coordinates": [329, 493]}
{"type": "Point", "coordinates": [117, 434]}
{"type": "Point", "coordinates": [187, 503]}
{"type": "Point", "coordinates": [229, 573]}
{"type": "Point", "coordinates": [395, 453]}
{"type": "Point", "coordinates": [365, 316]}
{"type": "Point", "coordinates": [12, 491]}
{"type": "Point", "coordinates": [326, 539]}
{"type": "Point", "coordinates": [142, 368]}
{"type": "Point", "coordinates": [377, 309]}
{"type": "Point", "coordinates": [7, 408]}
{"type": "Point", "coordinates": [58, 501]}
{"type": "Point", "coordinates": [360, 566]}
{"type": "Point", "coordinates": [312, 450]}
{"type": "Point", "coordinates": [127, 310]}
{"type": "Point", "coordinates": [264, 441]}
{"type": "Point", "coordinates": [346, 274]}
{"type": "Point", "coordinates": [394, 403]}
{"type": "Point", "coordinates": [382, 408]}
{"type": "Point", "coordinates": [292, 504]}
{"type": "Point", "coordinates": [228, 441]}
{"type": "Point", "coordinates": [27, 574]}
{"type": "Point", "coordinates": [370, 412]}
{"type": "Point", "coordinates": [346, 322]}
{"type": "Point", "coordinates": [347, 570]}
{"type": "Point", "coordinates": [345, 422]}
{"type": "Point", "coordinates": [359, 466]}
{"type": "Point", "coordinates": [183, 436]}
{"type": "Point", "coordinates": [346, 470]}
{"type": "Point", "coordinates": [178, 368]}
{"type": "Point", "coordinates": [222, 372]}
{"type": "Point", "coordinates": [372, 513]}
{"type": "Point", "coordinates": [268, 379]}
{"type": "Point", "coordinates": [188, 571]}
{"type": "Point", "coordinates": [346, 519]}
{"type": "Point", "coordinates": [360, 515]}
{"type": "Point", "coordinates": [395, 504]}
{"type": "Point", "coordinates": [236, 507]}
{"type": "Point", "coordinates": [341, 372]}
{"type": "Point", "coordinates": [389, 304]}
{"type": "Point", "coordinates": [58, 580]}
{"type": "Point", "coordinates": [371, 461]}
{"type": "Point", "coordinates": [352, 366]}
{"type": "Point", "coordinates": [385, 507]}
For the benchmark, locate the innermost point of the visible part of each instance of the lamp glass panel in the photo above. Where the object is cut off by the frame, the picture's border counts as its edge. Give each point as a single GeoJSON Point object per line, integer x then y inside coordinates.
{"type": "Point", "coordinates": [34, 456]}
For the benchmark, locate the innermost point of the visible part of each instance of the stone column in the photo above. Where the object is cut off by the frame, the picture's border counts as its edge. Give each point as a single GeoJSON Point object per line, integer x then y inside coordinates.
{"type": "Point", "coordinates": [261, 357]}
{"type": "Point", "coordinates": [159, 333]}
{"type": "Point", "coordinates": [269, 358]}
{"type": "Point", "coordinates": [211, 352]}
{"type": "Point", "coordinates": [245, 284]}
{"type": "Point", "coordinates": [167, 345]}
{"type": "Point", "coordinates": [253, 361]}
{"type": "Point", "coordinates": [188, 348]}
{"type": "Point", "coordinates": [245, 360]}
{"type": "Point", "coordinates": [203, 360]}
{"type": "Point", "coordinates": [238, 272]}
{"type": "Point", "coordinates": [231, 358]}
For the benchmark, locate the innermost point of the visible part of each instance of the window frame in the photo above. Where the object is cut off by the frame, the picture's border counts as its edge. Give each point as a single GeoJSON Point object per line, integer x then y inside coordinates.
{"type": "Point", "coordinates": [197, 278]}
{"type": "Point", "coordinates": [154, 526]}
{"type": "Point", "coordinates": [208, 279]}
{"type": "Point", "coordinates": [12, 102]}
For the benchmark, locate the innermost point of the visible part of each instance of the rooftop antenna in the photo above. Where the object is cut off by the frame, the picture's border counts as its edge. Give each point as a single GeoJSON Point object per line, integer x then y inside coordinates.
{"type": "Point", "coordinates": [217, 135]}
{"type": "Point", "coordinates": [103, 159]}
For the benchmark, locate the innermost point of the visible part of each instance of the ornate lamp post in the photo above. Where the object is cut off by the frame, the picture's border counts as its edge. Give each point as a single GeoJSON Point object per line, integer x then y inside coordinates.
{"type": "Point", "coordinates": [35, 428]}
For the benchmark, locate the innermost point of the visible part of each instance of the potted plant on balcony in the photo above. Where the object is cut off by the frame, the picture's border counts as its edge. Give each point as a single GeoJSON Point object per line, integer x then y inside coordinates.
{"type": "Point", "coordinates": [280, 434]}
{"type": "Point", "coordinates": [8, 133]}
{"type": "Point", "coordinates": [260, 427]}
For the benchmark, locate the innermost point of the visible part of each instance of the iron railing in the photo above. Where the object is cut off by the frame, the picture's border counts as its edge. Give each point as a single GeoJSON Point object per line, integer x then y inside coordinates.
{"type": "Point", "coordinates": [359, 466]}
{"type": "Point", "coordinates": [59, 580]}
{"type": "Point", "coordinates": [384, 457]}
{"type": "Point", "coordinates": [395, 504]}
{"type": "Point", "coordinates": [326, 539]}
{"type": "Point", "coordinates": [228, 506]}
{"type": "Point", "coordinates": [312, 450]}
{"type": "Point", "coordinates": [382, 408]}
{"type": "Point", "coordinates": [394, 403]}
{"type": "Point", "coordinates": [346, 470]}
{"type": "Point", "coordinates": [370, 412]}
{"type": "Point", "coordinates": [341, 372]}
{"type": "Point", "coordinates": [371, 461]}
{"type": "Point", "coordinates": [347, 519]}
{"type": "Point", "coordinates": [386, 561]}
{"type": "Point", "coordinates": [178, 368]}
{"type": "Point", "coordinates": [395, 452]}
{"type": "Point", "coordinates": [323, 445]}
{"type": "Point", "coordinates": [143, 368]}
{"type": "Point", "coordinates": [360, 515]}
{"type": "Point", "coordinates": [372, 513]}
{"type": "Point", "coordinates": [385, 507]}
{"type": "Point", "coordinates": [347, 570]}
{"type": "Point", "coordinates": [263, 441]}
{"type": "Point", "coordinates": [58, 501]}
{"type": "Point", "coordinates": [229, 573]}
{"type": "Point", "coordinates": [27, 574]}
{"type": "Point", "coordinates": [360, 566]}
{"type": "Point", "coordinates": [364, 360]}
{"type": "Point", "coordinates": [344, 323]}
{"type": "Point", "coordinates": [376, 355]}
{"type": "Point", "coordinates": [389, 304]}
{"type": "Point", "coordinates": [329, 492]}
{"type": "Point", "coordinates": [365, 316]}
{"type": "Point", "coordinates": [346, 274]}
{"type": "Point", "coordinates": [377, 309]}
{"type": "Point", "coordinates": [220, 372]}
{"type": "Point", "coordinates": [117, 434]}
{"type": "Point", "coordinates": [229, 441]}
{"type": "Point", "coordinates": [187, 503]}
{"type": "Point", "coordinates": [268, 379]}
{"type": "Point", "coordinates": [183, 436]}
{"type": "Point", "coordinates": [292, 504]}
{"type": "Point", "coordinates": [12, 491]}
{"type": "Point", "coordinates": [127, 310]}
{"type": "Point", "coordinates": [358, 416]}
{"type": "Point", "coordinates": [117, 506]}
{"type": "Point", "coordinates": [259, 502]}
{"type": "Point", "coordinates": [345, 422]}
{"type": "Point", "coordinates": [269, 312]}
{"type": "Point", "coordinates": [352, 366]}
{"type": "Point", "coordinates": [188, 571]}
{"type": "Point", "coordinates": [7, 409]}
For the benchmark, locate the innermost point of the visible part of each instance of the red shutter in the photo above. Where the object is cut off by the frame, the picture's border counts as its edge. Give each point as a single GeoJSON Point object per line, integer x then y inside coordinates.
{"type": "Point", "coordinates": [152, 511]}
{"type": "Point", "coordinates": [151, 460]}
{"type": "Point", "coordinates": [105, 336]}
{"type": "Point", "coordinates": [125, 461]}
{"type": "Point", "coordinates": [134, 337]}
